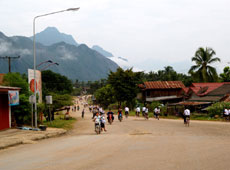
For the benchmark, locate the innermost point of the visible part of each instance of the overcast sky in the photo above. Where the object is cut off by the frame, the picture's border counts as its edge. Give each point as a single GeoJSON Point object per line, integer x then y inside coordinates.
{"type": "Point", "coordinates": [149, 33]}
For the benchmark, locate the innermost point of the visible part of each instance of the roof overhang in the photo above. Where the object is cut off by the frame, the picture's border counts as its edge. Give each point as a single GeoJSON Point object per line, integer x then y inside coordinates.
{"type": "Point", "coordinates": [5, 89]}
{"type": "Point", "coordinates": [151, 99]}
{"type": "Point", "coordinates": [190, 103]}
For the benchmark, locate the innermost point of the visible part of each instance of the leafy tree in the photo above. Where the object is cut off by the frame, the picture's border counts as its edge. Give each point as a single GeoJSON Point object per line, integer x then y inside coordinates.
{"type": "Point", "coordinates": [77, 91]}
{"type": "Point", "coordinates": [225, 76]}
{"type": "Point", "coordinates": [16, 80]}
{"type": "Point", "coordinates": [59, 87]}
{"type": "Point", "coordinates": [168, 74]}
{"type": "Point", "coordinates": [94, 86]}
{"type": "Point", "coordinates": [124, 83]}
{"type": "Point", "coordinates": [59, 101]}
{"type": "Point", "coordinates": [202, 71]}
{"type": "Point", "coordinates": [105, 95]}
{"type": "Point", "coordinates": [22, 112]}
{"type": "Point", "coordinates": [54, 82]}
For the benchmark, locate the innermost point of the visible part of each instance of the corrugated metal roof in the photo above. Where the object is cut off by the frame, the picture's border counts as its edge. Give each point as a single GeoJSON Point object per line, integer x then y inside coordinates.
{"type": "Point", "coordinates": [206, 98]}
{"type": "Point", "coordinates": [164, 85]}
{"type": "Point", "coordinates": [202, 89]}
{"type": "Point", "coordinates": [187, 103]}
{"type": "Point", "coordinates": [186, 90]}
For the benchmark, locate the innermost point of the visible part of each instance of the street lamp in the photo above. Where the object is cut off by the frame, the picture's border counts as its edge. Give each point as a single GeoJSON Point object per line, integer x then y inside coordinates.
{"type": "Point", "coordinates": [42, 69]}
{"type": "Point", "coordinates": [34, 49]}
{"type": "Point", "coordinates": [49, 61]}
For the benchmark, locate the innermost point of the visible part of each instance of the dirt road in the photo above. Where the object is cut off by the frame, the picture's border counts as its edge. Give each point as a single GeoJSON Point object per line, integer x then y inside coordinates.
{"type": "Point", "coordinates": [129, 145]}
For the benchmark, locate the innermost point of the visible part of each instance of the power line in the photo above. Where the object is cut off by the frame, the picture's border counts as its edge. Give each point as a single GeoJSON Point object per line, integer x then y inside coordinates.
{"type": "Point", "coordinates": [9, 60]}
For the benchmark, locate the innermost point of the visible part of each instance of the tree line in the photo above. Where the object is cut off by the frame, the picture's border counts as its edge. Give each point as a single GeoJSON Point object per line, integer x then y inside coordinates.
{"type": "Point", "coordinates": [122, 85]}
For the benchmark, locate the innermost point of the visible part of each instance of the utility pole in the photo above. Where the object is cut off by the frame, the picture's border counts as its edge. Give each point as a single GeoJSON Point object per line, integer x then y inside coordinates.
{"type": "Point", "coordinates": [9, 60]}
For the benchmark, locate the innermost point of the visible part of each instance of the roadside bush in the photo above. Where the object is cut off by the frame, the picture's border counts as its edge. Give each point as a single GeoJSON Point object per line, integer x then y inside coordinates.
{"type": "Point", "coordinates": [22, 112]}
{"type": "Point", "coordinates": [105, 96]}
{"type": "Point", "coordinates": [218, 108]}
{"type": "Point", "coordinates": [113, 106]}
{"type": "Point", "coordinates": [163, 109]}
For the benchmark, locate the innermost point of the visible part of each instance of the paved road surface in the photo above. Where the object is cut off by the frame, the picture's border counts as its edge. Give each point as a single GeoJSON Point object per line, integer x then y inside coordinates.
{"type": "Point", "coordinates": [132, 144]}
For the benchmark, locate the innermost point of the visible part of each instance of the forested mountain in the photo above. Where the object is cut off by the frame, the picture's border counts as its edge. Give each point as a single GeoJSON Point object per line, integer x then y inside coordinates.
{"type": "Point", "coordinates": [102, 51]}
{"type": "Point", "coordinates": [76, 62]}
{"type": "Point", "coordinates": [51, 35]}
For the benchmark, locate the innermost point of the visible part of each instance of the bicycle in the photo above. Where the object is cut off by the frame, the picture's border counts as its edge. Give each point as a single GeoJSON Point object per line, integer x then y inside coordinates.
{"type": "Point", "coordinates": [187, 121]}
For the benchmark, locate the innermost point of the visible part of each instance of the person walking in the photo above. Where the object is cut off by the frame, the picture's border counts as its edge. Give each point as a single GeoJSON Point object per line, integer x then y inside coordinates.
{"type": "Point", "coordinates": [226, 114]}
{"type": "Point", "coordinates": [157, 112]}
{"type": "Point", "coordinates": [138, 110]}
{"type": "Point", "coordinates": [143, 111]}
{"type": "Point", "coordinates": [82, 113]}
{"type": "Point", "coordinates": [126, 112]}
{"type": "Point", "coordinates": [186, 114]}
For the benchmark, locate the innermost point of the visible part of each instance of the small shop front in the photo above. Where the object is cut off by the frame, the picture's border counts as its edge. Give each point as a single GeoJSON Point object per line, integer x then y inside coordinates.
{"type": "Point", "coordinates": [9, 96]}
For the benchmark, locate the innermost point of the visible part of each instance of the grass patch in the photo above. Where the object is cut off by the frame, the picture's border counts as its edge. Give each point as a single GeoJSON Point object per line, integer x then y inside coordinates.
{"type": "Point", "coordinates": [60, 122]}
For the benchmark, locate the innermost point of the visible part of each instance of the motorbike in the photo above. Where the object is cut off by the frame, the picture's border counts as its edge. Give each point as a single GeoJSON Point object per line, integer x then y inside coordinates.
{"type": "Point", "coordinates": [97, 127]}
{"type": "Point", "coordinates": [187, 121]}
{"type": "Point", "coordinates": [110, 119]}
{"type": "Point", "coordinates": [120, 117]}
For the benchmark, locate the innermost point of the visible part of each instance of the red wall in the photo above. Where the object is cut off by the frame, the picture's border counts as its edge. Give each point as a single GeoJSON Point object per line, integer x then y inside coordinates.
{"type": "Point", "coordinates": [4, 112]}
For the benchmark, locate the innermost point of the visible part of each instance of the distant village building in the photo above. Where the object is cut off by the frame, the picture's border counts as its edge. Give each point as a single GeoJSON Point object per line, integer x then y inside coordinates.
{"type": "Point", "coordinates": [5, 108]}
{"type": "Point", "coordinates": [201, 95]}
{"type": "Point", "coordinates": [209, 92]}
{"type": "Point", "coordinates": [163, 91]}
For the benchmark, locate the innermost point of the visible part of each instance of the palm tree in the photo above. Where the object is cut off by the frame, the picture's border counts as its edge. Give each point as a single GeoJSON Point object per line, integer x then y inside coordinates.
{"type": "Point", "coordinates": [202, 70]}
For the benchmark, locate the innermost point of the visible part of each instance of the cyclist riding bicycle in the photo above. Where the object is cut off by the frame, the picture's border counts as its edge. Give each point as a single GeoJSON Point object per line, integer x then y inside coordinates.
{"type": "Point", "coordinates": [126, 111]}
{"type": "Point", "coordinates": [138, 110]}
{"type": "Point", "coordinates": [186, 114]}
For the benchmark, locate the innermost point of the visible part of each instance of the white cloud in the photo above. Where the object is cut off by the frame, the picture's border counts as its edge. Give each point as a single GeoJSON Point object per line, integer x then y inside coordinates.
{"type": "Point", "coordinates": [144, 31]}
{"type": "Point", "coordinates": [7, 48]}
{"type": "Point", "coordinates": [65, 54]}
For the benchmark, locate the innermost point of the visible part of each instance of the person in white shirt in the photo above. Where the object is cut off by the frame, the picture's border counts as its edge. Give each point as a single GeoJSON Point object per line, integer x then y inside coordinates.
{"type": "Point", "coordinates": [157, 112]}
{"type": "Point", "coordinates": [103, 121]}
{"type": "Point", "coordinates": [143, 111]}
{"type": "Point", "coordinates": [101, 110]}
{"type": "Point", "coordinates": [138, 110]}
{"type": "Point", "coordinates": [186, 114]}
{"type": "Point", "coordinates": [126, 111]}
{"type": "Point", "coordinates": [146, 112]}
{"type": "Point", "coordinates": [97, 119]}
{"type": "Point", "coordinates": [226, 114]}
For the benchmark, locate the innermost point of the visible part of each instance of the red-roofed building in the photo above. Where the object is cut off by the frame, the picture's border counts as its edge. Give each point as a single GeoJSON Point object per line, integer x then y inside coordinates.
{"type": "Point", "coordinates": [209, 92]}
{"type": "Point", "coordinates": [164, 91]}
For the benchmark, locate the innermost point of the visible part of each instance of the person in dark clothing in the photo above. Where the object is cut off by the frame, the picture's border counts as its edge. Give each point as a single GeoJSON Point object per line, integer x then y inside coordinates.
{"type": "Point", "coordinates": [83, 113]}
{"type": "Point", "coordinates": [110, 112]}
